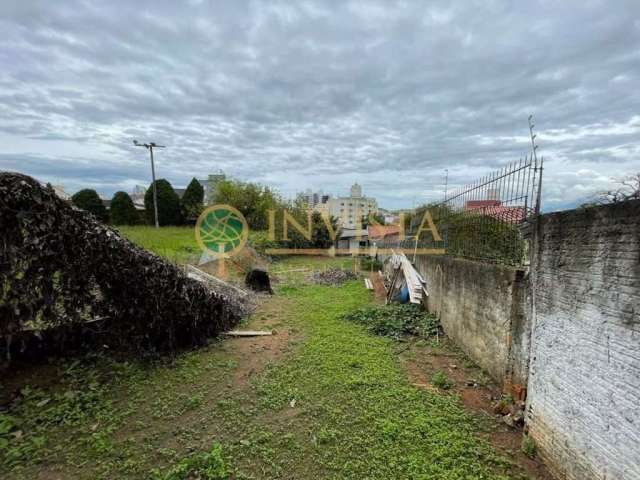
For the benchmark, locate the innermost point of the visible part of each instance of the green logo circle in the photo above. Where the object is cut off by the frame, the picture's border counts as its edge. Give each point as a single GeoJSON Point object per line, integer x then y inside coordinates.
{"type": "Point", "coordinates": [222, 230]}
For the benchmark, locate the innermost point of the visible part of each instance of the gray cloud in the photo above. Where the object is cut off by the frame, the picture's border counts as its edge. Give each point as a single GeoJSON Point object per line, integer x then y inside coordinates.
{"type": "Point", "coordinates": [320, 94]}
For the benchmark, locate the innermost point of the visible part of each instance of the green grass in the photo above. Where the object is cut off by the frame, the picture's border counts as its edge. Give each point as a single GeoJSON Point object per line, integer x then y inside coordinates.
{"type": "Point", "coordinates": [177, 244]}
{"type": "Point", "coordinates": [337, 405]}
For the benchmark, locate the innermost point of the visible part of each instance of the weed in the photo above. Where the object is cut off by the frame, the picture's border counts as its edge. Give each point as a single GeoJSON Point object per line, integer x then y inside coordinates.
{"type": "Point", "coordinates": [529, 447]}
{"type": "Point", "coordinates": [440, 380]}
{"type": "Point", "coordinates": [209, 465]}
{"type": "Point", "coordinates": [396, 320]}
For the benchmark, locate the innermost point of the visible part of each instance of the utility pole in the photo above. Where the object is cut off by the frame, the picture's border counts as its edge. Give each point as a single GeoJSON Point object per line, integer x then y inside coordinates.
{"type": "Point", "coordinates": [150, 146]}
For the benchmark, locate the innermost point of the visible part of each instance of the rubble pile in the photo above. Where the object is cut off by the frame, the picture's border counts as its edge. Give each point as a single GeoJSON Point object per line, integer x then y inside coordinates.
{"type": "Point", "coordinates": [68, 281]}
{"type": "Point", "coordinates": [332, 276]}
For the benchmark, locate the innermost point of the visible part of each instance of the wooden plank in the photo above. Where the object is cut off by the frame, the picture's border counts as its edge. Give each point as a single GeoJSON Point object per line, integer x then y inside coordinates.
{"type": "Point", "coordinates": [248, 333]}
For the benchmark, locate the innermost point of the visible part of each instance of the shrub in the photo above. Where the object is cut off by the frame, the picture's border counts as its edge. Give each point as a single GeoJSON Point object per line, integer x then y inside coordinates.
{"type": "Point", "coordinates": [369, 263]}
{"type": "Point", "coordinates": [396, 320]}
{"type": "Point", "coordinates": [89, 201]}
{"type": "Point", "coordinates": [261, 243]}
{"type": "Point", "coordinates": [123, 211]}
{"type": "Point", "coordinates": [440, 380]}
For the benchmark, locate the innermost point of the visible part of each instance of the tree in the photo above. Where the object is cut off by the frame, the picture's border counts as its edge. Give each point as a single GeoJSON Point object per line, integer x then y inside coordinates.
{"type": "Point", "coordinates": [192, 201]}
{"type": "Point", "coordinates": [89, 201]}
{"type": "Point", "coordinates": [168, 204]}
{"type": "Point", "coordinates": [123, 211]}
{"type": "Point", "coordinates": [253, 200]}
{"type": "Point", "coordinates": [629, 189]}
{"type": "Point", "coordinates": [378, 217]}
{"type": "Point", "coordinates": [321, 237]}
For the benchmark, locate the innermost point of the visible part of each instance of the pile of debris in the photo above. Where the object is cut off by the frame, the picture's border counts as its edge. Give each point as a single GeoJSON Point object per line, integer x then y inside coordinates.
{"type": "Point", "coordinates": [511, 412]}
{"type": "Point", "coordinates": [403, 282]}
{"type": "Point", "coordinates": [70, 281]}
{"type": "Point", "coordinates": [332, 276]}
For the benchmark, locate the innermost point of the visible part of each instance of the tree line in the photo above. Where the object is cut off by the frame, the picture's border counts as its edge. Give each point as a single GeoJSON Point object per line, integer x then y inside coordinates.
{"type": "Point", "coordinates": [172, 210]}
{"type": "Point", "coordinates": [253, 200]}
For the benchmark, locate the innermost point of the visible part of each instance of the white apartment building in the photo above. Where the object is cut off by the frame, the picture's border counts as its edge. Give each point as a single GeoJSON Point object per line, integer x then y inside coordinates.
{"type": "Point", "coordinates": [350, 210]}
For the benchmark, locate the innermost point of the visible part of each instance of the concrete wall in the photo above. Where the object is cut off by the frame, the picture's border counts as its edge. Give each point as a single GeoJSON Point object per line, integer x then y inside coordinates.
{"type": "Point", "coordinates": [482, 308]}
{"type": "Point", "coordinates": [584, 387]}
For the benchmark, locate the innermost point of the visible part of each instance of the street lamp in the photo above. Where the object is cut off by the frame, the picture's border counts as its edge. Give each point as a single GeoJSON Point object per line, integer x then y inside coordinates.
{"type": "Point", "coordinates": [150, 146]}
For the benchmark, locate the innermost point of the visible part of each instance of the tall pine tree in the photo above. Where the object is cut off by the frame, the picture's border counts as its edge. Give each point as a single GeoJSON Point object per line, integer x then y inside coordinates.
{"type": "Point", "coordinates": [192, 201]}
{"type": "Point", "coordinates": [123, 211]}
{"type": "Point", "coordinates": [168, 204]}
{"type": "Point", "coordinates": [89, 201]}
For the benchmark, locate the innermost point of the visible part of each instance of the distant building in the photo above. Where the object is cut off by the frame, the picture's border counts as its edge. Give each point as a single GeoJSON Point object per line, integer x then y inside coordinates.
{"type": "Point", "coordinates": [210, 185]}
{"type": "Point", "coordinates": [389, 217]}
{"type": "Point", "coordinates": [352, 241]}
{"type": "Point", "coordinates": [137, 196]}
{"type": "Point", "coordinates": [312, 199]}
{"type": "Point", "coordinates": [350, 210]}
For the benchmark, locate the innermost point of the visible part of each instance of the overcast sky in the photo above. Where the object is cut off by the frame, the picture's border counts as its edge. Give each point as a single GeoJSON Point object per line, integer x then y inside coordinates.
{"type": "Point", "coordinates": [319, 94]}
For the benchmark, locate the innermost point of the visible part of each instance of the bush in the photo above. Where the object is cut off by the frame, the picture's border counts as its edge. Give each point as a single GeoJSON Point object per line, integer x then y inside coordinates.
{"type": "Point", "coordinates": [168, 204]}
{"type": "Point", "coordinates": [123, 211]}
{"type": "Point", "coordinates": [260, 242]}
{"type": "Point", "coordinates": [89, 201]}
{"type": "Point", "coordinates": [440, 380]}
{"type": "Point", "coordinates": [396, 320]}
{"type": "Point", "coordinates": [369, 263]}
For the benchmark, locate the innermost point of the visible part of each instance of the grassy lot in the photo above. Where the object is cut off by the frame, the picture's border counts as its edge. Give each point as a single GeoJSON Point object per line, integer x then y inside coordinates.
{"type": "Point", "coordinates": [321, 399]}
{"type": "Point", "coordinates": [177, 244]}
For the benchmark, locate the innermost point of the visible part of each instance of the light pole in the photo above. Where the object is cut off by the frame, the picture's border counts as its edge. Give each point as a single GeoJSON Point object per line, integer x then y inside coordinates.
{"type": "Point", "coordinates": [150, 146]}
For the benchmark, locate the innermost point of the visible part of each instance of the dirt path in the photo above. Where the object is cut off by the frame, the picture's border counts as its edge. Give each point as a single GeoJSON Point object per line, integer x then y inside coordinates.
{"type": "Point", "coordinates": [253, 354]}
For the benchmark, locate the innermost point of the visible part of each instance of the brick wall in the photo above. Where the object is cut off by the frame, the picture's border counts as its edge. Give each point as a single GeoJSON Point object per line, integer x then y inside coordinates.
{"type": "Point", "coordinates": [583, 407]}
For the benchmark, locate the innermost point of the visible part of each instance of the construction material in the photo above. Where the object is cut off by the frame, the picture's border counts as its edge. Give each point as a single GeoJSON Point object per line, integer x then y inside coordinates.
{"type": "Point", "coordinates": [368, 284]}
{"type": "Point", "coordinates": [404, 280]}
{"type": "Point", "coordinates": [248, 333]}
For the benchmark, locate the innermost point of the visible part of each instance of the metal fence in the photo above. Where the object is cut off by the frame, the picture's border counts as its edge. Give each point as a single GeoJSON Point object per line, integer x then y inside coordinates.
{"type": "Point", "coordinates": [484, 220]}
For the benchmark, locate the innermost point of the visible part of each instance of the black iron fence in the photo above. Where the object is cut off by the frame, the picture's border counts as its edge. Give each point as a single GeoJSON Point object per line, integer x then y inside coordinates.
{"type": "Point", "coordinates": [484, 220]}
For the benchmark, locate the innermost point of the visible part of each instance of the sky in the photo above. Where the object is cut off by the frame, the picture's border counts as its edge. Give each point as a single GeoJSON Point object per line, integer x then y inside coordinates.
{"type": "Point", "coordinates": [320, 94]}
